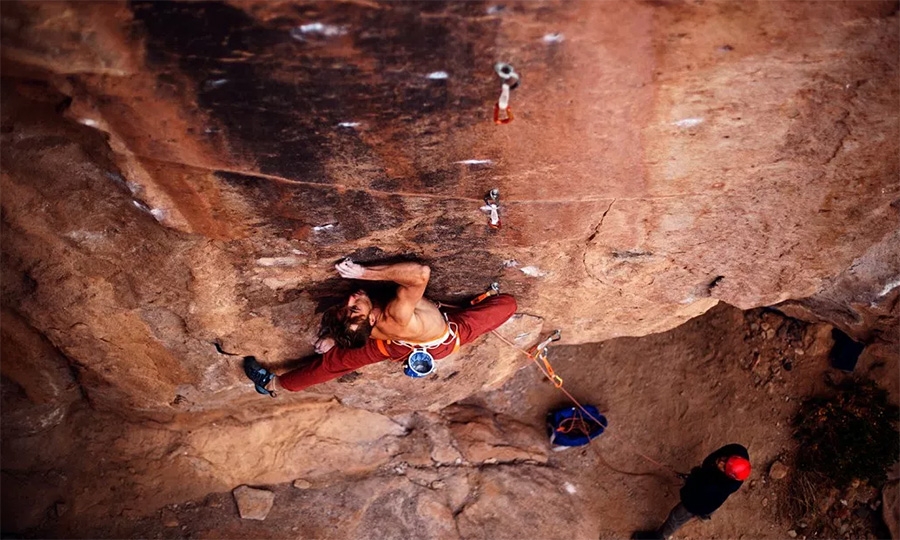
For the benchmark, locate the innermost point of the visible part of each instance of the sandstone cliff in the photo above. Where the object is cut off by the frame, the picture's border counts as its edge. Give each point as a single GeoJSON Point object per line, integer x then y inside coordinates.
{"type": "Point", "coordinates": [178, 176]}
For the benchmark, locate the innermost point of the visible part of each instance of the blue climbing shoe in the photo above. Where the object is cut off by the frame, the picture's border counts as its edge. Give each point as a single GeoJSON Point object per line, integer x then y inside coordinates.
{"type": "Point", "coordinates": [259, 375]}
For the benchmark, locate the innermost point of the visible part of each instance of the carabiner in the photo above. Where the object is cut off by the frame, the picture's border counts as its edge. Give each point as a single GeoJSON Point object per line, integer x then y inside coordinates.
{"type": "Point", "coordinates": [506, 72]}
{"type": "Point", "coordinates": [555, 336]}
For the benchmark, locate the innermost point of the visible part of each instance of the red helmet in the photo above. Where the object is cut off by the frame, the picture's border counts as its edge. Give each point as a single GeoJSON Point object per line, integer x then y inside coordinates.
{"type": "Point", "coordinates": [737, 467]}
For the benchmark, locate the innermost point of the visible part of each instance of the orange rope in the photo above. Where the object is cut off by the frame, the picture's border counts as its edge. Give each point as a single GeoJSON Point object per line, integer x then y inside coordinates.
{"type": "Point", "coordinates": [553, 378]}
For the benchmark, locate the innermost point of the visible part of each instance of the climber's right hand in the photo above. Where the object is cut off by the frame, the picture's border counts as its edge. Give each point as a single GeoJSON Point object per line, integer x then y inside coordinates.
{"type": "Point", "coordinates": [325, 344]}
{"type": "Point", "coordinates": [350, 270]}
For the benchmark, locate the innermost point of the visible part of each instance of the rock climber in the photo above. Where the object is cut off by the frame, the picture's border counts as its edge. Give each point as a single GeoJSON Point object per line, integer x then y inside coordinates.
{"type": "Point", "coordinates": [706, 488]}
{"type": "Point", "coordinates": [362, 330]}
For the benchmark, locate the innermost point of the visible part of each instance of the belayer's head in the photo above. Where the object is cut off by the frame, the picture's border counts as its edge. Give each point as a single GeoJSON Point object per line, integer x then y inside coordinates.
{"type": "Point", "coordinates": [351, 322]}
{"type": "Point", "coordinates": [734, 467]}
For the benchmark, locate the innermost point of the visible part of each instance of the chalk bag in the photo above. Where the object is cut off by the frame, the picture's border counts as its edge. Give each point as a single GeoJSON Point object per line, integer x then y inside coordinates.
{"type": "Point", "coordinates": [419, 363]}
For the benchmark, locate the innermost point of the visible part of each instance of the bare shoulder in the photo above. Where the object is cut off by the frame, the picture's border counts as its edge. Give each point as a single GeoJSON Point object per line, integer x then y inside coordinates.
{"type": "Point", "coordinates": [426, 322]}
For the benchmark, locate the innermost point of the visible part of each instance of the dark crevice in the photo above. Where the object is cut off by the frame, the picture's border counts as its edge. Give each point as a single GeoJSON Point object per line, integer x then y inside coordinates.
{"type": "Point", "coordinates": [597, 228]}
{"type": "Point", "coordinates": [714, 283]}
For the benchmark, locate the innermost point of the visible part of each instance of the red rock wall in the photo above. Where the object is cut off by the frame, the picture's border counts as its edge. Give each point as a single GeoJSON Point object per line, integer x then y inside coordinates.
{"type": "Point", "coordinates": [179, 174]}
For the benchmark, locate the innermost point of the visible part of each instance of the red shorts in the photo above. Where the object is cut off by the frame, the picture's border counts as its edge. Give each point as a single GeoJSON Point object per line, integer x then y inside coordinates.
{"type": "Point", "coordinates": [470, 322]}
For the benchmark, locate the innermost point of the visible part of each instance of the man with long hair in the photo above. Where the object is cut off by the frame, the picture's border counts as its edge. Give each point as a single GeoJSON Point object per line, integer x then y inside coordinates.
{"type": "Point", "coordinates": [363, 330]}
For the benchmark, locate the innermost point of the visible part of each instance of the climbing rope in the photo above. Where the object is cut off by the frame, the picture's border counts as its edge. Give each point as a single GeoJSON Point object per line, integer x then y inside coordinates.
{"type": "Point", "coordinates": [540, 353]}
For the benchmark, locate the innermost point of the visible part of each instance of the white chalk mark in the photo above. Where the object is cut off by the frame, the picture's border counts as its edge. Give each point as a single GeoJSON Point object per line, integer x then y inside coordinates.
{"type": "Point", "coordinates": [889, 287]}
{"type": "Point", "coordinates": [214, 83]}
{"type": "Point", "coordinates": [279, 261]}
{"type": "Point", "coordinates": [554, 37]}
{"type": "Point", "coordinates": [115, 177]}
{"type": "Point", "coordinates": [282, 282]}
{"type": "Point", "coordinates": [317, 28]}
{"type": "Point", "coordinates": [570, 489]}
{"type": "Point", "coordinates": [688, 122]}
{"type": "Point", "coordinates": [495, 9]}
{"type": "Point", "coordinates": [158, 213]}
{"type": "Point", "coordinates": [349, 124]}
{"type": "Point", "coordinates": [533, 271]}
{"type": "Point", "coordinates": [474, 162]}
{"type": "Point", "coordinates": [510, 263]}
{"type": "Point", "coordinates": [85, 236]}
{"type": "Point", "coordinates": [437, 75]}
{"type": "Point", "coordinates": [328, 226]}
{"type": "Point", "coordinates": [89, 122]}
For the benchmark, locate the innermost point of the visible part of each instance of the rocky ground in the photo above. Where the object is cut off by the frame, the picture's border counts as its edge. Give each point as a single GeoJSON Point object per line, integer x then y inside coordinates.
{"type": "Point", "coordinates": [484, 469]}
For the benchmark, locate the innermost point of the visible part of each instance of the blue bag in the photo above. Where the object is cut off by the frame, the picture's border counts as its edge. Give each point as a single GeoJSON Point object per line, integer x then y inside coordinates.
{"type": "Point", "coordinates": [571, 427]}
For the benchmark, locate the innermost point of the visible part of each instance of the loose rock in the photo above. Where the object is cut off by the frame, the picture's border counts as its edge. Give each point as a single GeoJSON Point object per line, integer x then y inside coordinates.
{"type": "Point", "coordinates": [302, 484]}
{"type": "Point", "coordinates": [778, 470]}
{"type": "Point", "coordinates": [253, 503]}
{"type": "Point", "coordinates": [169, 519]}
{"type": "Point", "coordinates": [792, 533]}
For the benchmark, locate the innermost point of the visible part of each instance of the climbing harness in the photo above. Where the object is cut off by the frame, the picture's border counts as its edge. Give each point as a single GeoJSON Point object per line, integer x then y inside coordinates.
{"type": "Point", "coordinates": [492, 207]}
{"type": "Point", "coordinates": [510, 81]}
{"type": "Point", "coordinates": [419, 361]}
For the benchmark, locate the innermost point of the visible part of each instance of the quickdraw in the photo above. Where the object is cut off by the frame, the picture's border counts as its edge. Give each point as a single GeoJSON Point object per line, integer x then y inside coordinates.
{"type": "Point", "coordinates": [493, 291]}
{"type": "Point", "coordinates": [539, 352]}
{"type": "Point", "coordinates": [510, 81]}
{"type": "Point", "coordinates": [492, 207]}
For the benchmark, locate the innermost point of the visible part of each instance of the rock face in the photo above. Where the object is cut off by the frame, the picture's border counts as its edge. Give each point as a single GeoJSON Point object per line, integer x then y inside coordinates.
{"type": "Point", "coordinates": [220, 157]}
{"type": "Point", "coordinates": [891, 507]}
{"type": "Point", "coordinates": [179, 178]}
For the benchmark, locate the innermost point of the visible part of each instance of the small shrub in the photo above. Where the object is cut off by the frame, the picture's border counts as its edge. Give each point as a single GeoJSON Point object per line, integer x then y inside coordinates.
{"type": "Point", "coordinates": [851, 434]}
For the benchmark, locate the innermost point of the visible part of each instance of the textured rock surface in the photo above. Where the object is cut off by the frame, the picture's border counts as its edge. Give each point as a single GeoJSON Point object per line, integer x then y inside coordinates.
{"type": "Point", "coordinates": [181, 175]}
{"type": "Point", "coordinates": [664, 156]}
{"type": "Point", "coordinates": [890, 505]}
{"type": "Point", "coordinates": [890, 502]}
{"type": "Point", "coordinates": [414, 481]}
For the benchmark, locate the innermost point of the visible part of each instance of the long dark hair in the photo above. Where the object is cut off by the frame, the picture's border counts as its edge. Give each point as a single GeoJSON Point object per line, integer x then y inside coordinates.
{"type": "Point", "coordinates": [336, 323]}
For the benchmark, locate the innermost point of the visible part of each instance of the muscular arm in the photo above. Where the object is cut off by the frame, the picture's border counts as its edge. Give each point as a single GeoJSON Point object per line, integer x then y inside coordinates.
{"type": "Point", "coordinates": [411, 277]}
